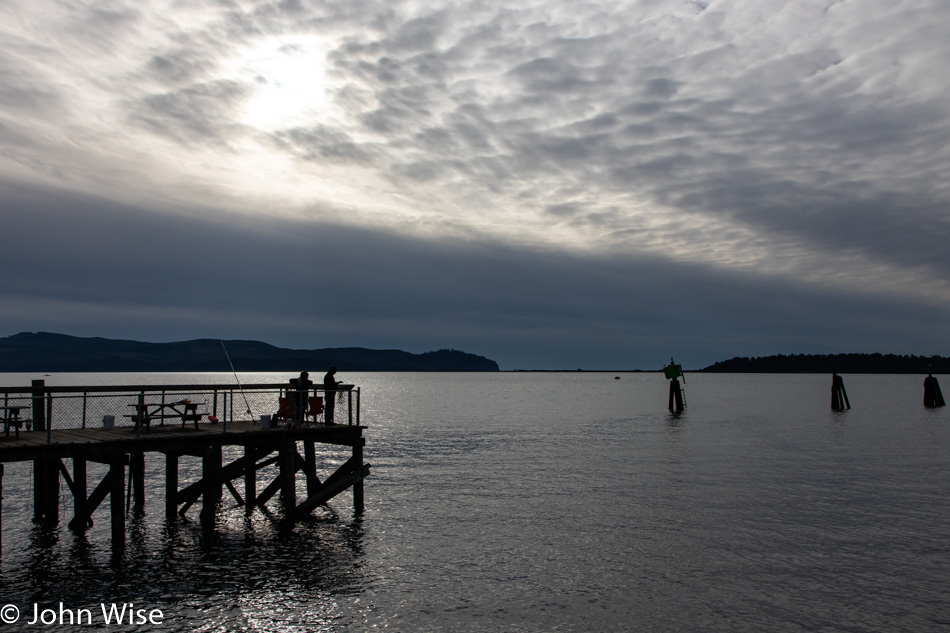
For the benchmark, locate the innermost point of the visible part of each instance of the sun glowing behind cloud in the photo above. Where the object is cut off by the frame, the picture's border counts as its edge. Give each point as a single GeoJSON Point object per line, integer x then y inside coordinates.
{"type": "Point", "coordinates": [288, 83]}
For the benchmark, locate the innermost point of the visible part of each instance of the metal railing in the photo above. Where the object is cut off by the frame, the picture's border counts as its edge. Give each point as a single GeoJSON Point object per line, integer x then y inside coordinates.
{"type": "Point", "coordinates": [45, 408]}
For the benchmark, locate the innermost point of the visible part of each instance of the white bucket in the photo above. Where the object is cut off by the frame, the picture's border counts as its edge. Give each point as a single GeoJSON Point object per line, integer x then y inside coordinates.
{"type": "Point", "coordinates": [265, 422]}
{"type": "Point", "coordinates": [108, 421]}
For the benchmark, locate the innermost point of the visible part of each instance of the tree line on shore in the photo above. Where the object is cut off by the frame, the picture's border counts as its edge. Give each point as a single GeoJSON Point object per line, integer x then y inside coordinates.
{"type": "Point", "coordinates": [827, 363]}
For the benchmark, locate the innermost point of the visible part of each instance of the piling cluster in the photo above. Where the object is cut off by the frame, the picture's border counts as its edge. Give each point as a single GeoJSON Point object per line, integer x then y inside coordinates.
{"type": "Point", "coordinates": [933, 397]}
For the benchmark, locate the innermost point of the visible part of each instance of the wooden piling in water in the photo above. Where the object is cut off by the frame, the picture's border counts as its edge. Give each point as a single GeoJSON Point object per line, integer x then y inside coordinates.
{"type": "Point", "coordinates": [211, 475]}
{"type": "Point", "coordinates": [45, 478]}
{"type": "Point", "coordinates": [80, 484]}
{"type": "Point", "coordinates": [137, 479]}
{"type": "Point", "coordinates": [358, 504]}
{"type": "Point", "coordinates": [46, 491]}
{"type": "Point", "coordinates": [839, 397]}
{"type": "Point", "coordinates": [250, 480]}
{"type": "Point", "coordinates": [676, 396]}
{"type": "Point", "coordinates": [171, 484]}
{"type": "Point", "coordinates": [117, 474]}
{"type": "Point", "coordinates": [288, 470]}
{"type": "Point", "coordinates": [677, 400]}
{"type": "Point", "coordinates": [933, 397]}
{"type": "Point", "coordinates": [310, 468]}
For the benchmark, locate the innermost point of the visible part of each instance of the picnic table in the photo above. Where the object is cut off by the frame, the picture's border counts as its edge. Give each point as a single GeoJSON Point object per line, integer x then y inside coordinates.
{"type": "Point", "coordinates": [10, 416]}
{"type": "Point", "coordinates": [184, 410]}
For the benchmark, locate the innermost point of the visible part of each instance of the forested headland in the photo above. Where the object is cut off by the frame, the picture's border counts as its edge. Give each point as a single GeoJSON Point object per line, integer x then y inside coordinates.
{"type": "Point", "coordinates": [826, 363]}
{"type": "Point", "coordinates": [44, 351]}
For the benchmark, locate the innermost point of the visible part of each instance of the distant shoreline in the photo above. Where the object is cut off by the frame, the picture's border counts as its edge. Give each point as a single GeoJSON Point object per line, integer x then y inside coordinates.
{"type": "Point", "coordinates": [828, 363]}
{"type": "Point", "coordinates": [47, 352]}
{"type": "Point", "coordinates": [802, 364]}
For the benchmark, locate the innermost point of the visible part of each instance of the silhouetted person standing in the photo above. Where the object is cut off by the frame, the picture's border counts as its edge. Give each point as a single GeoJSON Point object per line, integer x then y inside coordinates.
{"type": "Point", "coordinates": [329, 386]}
{"type": "Point", "coordinates": [297, 397]}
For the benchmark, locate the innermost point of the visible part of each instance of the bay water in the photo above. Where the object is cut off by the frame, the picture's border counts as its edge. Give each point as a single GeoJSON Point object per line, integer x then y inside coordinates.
{"type": "Point", "coordinates": [544, 502]}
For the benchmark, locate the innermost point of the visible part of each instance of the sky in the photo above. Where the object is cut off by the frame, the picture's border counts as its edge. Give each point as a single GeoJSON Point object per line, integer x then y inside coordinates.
{"type": "Point", "coordinates": [552, 184]}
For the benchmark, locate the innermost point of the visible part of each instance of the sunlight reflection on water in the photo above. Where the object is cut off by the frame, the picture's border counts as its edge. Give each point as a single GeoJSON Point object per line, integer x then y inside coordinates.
{"type": "Point", "coordinates": [541, 502]}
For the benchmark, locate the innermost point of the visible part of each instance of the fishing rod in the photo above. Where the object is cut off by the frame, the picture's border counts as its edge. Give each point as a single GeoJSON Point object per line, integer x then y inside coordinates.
{"type": "Point", "coordinates": [238, 380]}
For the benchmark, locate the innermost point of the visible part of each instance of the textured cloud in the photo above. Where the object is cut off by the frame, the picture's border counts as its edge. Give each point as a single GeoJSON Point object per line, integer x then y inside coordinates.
{"type": "Point", "coordinates": [760, 143]}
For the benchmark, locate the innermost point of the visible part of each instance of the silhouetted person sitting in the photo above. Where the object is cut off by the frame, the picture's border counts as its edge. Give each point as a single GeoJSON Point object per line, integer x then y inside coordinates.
{"type": "Point", "coordinates": [297, 397]}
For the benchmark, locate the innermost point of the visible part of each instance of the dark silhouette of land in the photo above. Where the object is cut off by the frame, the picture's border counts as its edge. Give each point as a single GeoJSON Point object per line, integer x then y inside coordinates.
{"type": "Point", "coordinates": [842, 363]}
{"type": "Point", "coordinates": [46, 352]}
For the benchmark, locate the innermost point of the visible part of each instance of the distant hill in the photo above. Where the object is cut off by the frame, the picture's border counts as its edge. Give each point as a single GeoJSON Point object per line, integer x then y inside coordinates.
{"type": "Point", "coordinates": [842, 363]}
{"type": "Point", "coordinates": [43, 351]}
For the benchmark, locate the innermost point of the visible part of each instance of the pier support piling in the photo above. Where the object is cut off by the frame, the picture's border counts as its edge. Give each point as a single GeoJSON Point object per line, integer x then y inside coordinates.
{"type": "Point", "coordinates": [46, 490]}
{"type": "Point", "coordinates": [137, 474]}
{"type": "Point", "coordinates": [112, 483]}
{"type": "Point", "coordinates": [211, 473]}
{"type": "Point", "coordinates": [310, 467]}
{"type": "Point", "coordinates": [117, 498]}
{"type": "Point", "coordinates": [45, 470]}
{"type": "Point", "coordinates": [171, 485]}
{"type": "Point", "coordinates": [358, 504]}
{"type": "Point", "coordinates": [351, 473]}
{"type": "Point", "coordinates": [250, 479]}
{"type": "Point", "coordinates": [288, 470]}
{"type": "Point", "coordinates": [80, 494]}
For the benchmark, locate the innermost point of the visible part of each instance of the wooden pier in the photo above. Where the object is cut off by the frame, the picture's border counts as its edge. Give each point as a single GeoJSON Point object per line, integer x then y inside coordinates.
{"type": "Point", "coordinates": [53, 424]}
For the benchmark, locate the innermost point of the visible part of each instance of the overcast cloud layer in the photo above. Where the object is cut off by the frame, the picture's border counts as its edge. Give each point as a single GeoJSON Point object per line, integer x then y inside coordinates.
{"type": "Point", "coordinates": [550, 184]}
